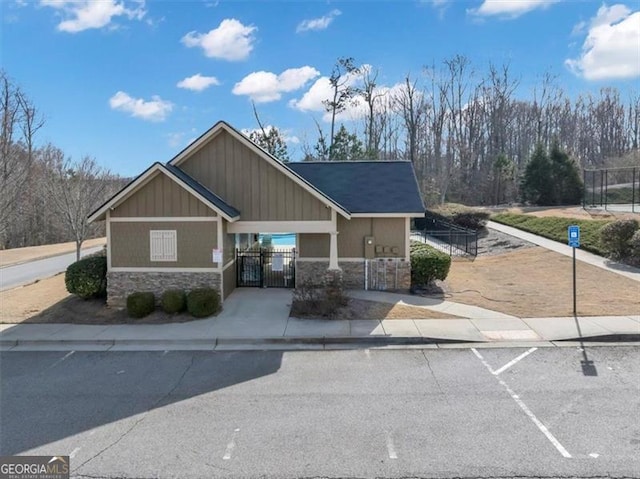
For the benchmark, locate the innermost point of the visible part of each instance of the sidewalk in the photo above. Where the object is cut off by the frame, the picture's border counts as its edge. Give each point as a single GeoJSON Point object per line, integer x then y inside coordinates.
{"type": "Point", "coordinates": [278, 331]}
{"type": "Point", "coordinates": [581, 255]}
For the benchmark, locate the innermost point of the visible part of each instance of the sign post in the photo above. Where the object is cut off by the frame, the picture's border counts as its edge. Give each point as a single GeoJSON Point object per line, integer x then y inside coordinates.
{"type": "Point", "coordinates": [574, 242]}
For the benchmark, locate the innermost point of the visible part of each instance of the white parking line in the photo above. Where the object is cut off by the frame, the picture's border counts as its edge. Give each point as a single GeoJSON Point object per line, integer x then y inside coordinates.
{"type": "Point", "coordinates": [231, 446]}
{"type": "Point", "coordinates": [367, 353]}
{"type": "Point", "coordinates": [526, 410]}
{"type": "Point", "coordinates": [74, 452]}
{"type": "Point", "coordinates": [61, 359]}
{"type": "Point", "coordinates": [390, 448]}
{"type": "Point", "coordinates": [511, 363]}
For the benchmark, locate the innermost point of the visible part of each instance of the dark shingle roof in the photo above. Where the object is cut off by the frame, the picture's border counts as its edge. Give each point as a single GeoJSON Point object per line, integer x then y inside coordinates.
{"type": "Point", "coordinates": [365, 186]}
{"type": "Point", "coordinates": [203, 191]}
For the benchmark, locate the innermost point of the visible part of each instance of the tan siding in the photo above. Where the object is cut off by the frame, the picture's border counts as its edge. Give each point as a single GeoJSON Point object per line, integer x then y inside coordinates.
{"type": "Point", "coordinates": [250, 183]}
{"type": "Point", "coordinates": [229, 280]}
{"type": "Point", "coordinates": [313, 245]}
{"type": "Point", "coordinates": [390, 232]}
{"type": "Point", "coordinates": [162, 196]}
{"type": "Point", "coordinates": [387, 232]}
{"type": "Point", "coordinates": [195, 240]}
{"type": "Point", "coordinates": [351, 235]}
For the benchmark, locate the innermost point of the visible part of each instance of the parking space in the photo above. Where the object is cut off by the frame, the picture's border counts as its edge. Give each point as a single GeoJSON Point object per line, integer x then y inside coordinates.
{"type": "Point", "coordinates": [349, 413]}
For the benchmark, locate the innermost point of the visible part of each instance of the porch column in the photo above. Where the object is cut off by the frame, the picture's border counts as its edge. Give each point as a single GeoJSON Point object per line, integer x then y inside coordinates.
{"type": "Point", "coordinates": [333, 252]}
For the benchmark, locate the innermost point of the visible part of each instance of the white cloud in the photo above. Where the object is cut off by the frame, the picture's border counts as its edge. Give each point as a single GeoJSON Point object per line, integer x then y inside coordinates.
{"type": "Point", "coordinates": [509, 8]}
{"type": "Point", "coordinates": [80, 15]}
{"type": "Point", "coordinates": [264, 86]}
{"type": "Point", "coordinates": [197, 82]}
{"type": "Point", "coordinates": [285, 134]}
{"type": "Point", "coordinates": [321, 91]}
{"type": "Point", "coordinates": [612, 47]}
{"type": "Point", "coordinates": [316, 24]}
{"type": "Point", "coordinates": [155, 109]}
{"type": "Point", "coordinates": [231, 41]}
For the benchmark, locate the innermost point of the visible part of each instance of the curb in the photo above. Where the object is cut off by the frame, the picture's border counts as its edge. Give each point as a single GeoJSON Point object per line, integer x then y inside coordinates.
{"type": "Point", "coordinates": [323, 341]}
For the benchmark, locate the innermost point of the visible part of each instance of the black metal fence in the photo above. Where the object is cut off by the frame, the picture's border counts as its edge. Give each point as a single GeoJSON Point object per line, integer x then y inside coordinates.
{"type": "Point", "coordinates": [445, 236]}
{"type": "Point", "coordinates": [266, 268]}
{"type": "Point", "coordinates": [612, 188]}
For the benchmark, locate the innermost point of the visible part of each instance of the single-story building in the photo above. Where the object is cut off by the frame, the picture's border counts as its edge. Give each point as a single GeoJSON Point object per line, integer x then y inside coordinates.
{"type": "Point", "coordinates": [194, 221]}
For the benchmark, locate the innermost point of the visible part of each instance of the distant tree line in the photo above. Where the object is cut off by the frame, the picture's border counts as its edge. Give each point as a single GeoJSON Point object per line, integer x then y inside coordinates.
{"type": "Point", "coordinates": [468, 135]}
{"type": "Point", "coordinates": [44, 197]}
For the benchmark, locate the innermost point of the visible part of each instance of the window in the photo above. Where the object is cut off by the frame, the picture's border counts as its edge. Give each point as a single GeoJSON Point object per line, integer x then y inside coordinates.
{"type": "Point", "coordinates": [164, 245]}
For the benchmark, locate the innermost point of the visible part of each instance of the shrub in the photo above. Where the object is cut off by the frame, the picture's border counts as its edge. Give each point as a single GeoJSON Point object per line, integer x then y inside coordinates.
{"type": "Point", "coordinates": [428, 264]}
{"type": "Point", "coordinates": [312, 299]}
{"type": "Point", "coordinates": [634, 245]}
{"type": "Point", "coordinates": [473, 220]}
{"type": "Point", "coordinates": [173, 301]}
{"type": "Point", "coordinates": [615, 238]}
{"type": "Point", "coordinates": [140, 304]}
{"type": "Point", "coordinates": [87, 278]}
{"type": "Point", "coordinates": [203, 302]}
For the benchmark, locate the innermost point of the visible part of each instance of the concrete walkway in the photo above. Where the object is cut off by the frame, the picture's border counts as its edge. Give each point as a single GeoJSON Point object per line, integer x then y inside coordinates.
{"type": "Point", "coordinates": [258, 319]}
{"type": "Point", "coordinates": [564, 249]}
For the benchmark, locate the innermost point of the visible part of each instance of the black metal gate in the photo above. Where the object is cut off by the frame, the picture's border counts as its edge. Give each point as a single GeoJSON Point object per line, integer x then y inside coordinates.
{"type": "Point", "coordinates": [266, 268]}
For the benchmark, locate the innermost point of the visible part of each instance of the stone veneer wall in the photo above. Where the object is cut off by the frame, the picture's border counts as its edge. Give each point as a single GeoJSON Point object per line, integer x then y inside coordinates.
{"type": "Point", "coordinates": [353, 273]}
{"type": "Point", "coordinates": [120, 284]}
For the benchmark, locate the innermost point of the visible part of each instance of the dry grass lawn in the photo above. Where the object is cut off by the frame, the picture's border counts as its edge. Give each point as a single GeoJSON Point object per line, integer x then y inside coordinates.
{"type": "Point", "coordinates": [568, 212]}
{"type": "Point", "coordinates": [535, 282]}
{"type": "Point", "coordinates": [47, 301]}
{"type": "Point", "coordinates": [20, 255]}
{"type": "Point", "coordinates": [362, 309]}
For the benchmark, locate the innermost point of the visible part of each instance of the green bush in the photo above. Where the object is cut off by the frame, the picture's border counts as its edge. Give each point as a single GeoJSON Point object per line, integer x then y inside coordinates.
{"type": "Point", "coordinates": [203, 302]}
{"type": "Point", "coordinates": [615, 238]}
{"type": "Point", "coordinates": [428, 264]}
{"type": "Point", "coordinates": [140, 304]}
{"type": "Point", "coordinates": [173, 301]}
{"type": "Point", "coordinates": [634, 245]}
{"type": "Point", "coordinates": [555, 228]}
{"type": "Point", "coordinates": [87, 278]}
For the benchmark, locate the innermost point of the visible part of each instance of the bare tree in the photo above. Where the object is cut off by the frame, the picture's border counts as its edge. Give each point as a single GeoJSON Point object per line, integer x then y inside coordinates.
{"type": "Point", "coordinates": [342, 91]}
{"type": "Point", "coordinates": [19, 123]}
{"type": "Point", "coordinates": [269, 138]}
{"type": "Point", "coordinates": [75, 190]}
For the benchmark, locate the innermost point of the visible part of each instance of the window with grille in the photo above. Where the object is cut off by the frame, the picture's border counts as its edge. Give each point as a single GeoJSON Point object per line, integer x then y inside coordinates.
{"type": "Point", "coordinates": [164, 245]}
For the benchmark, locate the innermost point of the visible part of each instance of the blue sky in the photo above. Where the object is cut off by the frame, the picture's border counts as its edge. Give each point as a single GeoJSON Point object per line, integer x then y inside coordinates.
{"type": "Point", "coordinates": [132, 82]}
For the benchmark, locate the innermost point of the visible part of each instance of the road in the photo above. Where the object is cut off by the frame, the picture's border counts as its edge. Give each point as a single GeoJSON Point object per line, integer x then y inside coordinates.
{"type": "Point", "coordinates": [12, 276]}
{"type": "Point", "coordinates": [363, 413]}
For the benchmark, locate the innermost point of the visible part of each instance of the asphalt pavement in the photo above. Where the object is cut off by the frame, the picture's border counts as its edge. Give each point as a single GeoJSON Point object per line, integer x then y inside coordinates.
{"type": "Point", "coordinates": [525, 412]}
{"type": "Point", "coordinates": [25, 273]}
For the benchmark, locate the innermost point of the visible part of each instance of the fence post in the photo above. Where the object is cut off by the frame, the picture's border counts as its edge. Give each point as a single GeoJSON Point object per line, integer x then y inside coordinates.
{"type": "Point", "coordinates": [606, 188]}
{"type": "Point", "coordinates": [633, 190]}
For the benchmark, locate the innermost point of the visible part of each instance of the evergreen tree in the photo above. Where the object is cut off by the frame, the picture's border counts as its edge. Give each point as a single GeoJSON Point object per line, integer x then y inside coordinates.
{"type": "Point", "coordinates": [271, 140]}
{"type": "Point", "coordinates": [566, 181]}
{"type": "Point", "coordinates": [536, 182]}
{"type": "Point", "coordinates": [346, 147]}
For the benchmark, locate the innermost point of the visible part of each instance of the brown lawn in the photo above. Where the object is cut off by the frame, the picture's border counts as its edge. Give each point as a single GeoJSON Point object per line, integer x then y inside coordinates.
{"type": "Point", "coordinates": [535, 282]}
{"type": "Point", "coordinates": [20, 255]}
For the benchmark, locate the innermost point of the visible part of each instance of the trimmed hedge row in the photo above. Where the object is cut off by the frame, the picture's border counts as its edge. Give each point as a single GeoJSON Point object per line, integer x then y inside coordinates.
{"type": "Point", "coordinates": [555, 228]}
{"type": "Point", "coordinates": [200, 302]}
{"type": "Point", "coordinates": [428, 264]}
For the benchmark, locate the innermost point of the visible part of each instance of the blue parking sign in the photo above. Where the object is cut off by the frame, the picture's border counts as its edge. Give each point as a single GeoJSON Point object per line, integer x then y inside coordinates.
{"type": "Point", "coordinates": [574, 236]}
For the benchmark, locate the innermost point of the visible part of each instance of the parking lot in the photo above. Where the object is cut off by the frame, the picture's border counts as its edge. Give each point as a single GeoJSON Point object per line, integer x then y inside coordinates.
{"type": "Point", "coordinates": [362, 413]}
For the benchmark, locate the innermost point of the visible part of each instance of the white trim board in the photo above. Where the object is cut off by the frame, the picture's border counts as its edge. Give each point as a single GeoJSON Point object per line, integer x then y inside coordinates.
{"type": "Point", "coordinates": [273, 161]}
{"type": "Point", "coordinates": [281, 227]}
{"type": "Point", "coordinates": [344, 260]}
{"type": "Point", "coordinates": [158, 219]}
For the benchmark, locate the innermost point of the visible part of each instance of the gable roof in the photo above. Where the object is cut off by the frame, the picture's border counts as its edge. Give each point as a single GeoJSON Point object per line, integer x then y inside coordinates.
{"type": "Point", "coordinates": [272, 160]}
{"type": "Point", "coordinates": [203, 194]}
{"type": "Point", "coordinates": [379, 187]}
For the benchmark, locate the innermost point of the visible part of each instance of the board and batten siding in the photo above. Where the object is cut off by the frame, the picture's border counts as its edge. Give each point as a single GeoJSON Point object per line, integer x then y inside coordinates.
{"type": "Point", "coordinates": [249, 183]}
{"type": "Point", "coordinates": [161, 196]}
{"type": "Point", "coordinates": [389, 232]}
{"type": "Point", "coordinates": [130, 244]}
